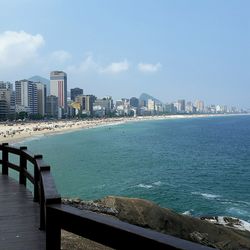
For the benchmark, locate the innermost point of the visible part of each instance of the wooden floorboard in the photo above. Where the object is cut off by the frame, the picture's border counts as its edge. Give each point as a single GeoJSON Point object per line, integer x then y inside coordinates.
{"type": "Point", "coordinates": [19, 218]}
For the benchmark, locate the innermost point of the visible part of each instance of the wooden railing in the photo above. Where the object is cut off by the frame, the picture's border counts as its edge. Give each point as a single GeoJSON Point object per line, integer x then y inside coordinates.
{"type": "Point", "coordinates": [44, 189]}
{"type": "Point", "coordinates": [55, 216]}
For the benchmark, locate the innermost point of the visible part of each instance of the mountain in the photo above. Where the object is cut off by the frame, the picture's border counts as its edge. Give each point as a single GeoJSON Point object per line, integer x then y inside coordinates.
{"type": "Point", "coordinates": [42, 80]}
{"type": "Point", "coordinates": [146, 97]}
{"type": "Point", "coordinates": [39, 79]}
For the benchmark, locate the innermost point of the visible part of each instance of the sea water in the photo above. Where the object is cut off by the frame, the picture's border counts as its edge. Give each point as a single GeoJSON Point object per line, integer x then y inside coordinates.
{"type": "Point", "coordinates": [198, 166]}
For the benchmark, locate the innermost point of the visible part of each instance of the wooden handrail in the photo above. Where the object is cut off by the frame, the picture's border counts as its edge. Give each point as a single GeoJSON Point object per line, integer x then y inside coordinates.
{"type": "Point", "coordinates": [107, 231]}
{"type": "Point", "coordinates": [45, 191]}
{"type": "Point", "coordinates": [100, 228]}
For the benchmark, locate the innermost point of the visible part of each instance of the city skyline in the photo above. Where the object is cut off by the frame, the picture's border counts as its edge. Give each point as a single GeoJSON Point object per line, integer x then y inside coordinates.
{"type": "Point", "coordinates": [41, 80]}
{"type": "Point", "coordinates": [31, 99]}
{"type": "Point", "coordinates": [169, 49]}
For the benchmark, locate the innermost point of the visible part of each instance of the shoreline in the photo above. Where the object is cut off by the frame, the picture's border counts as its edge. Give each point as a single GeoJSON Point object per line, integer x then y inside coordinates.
{"type": "Point", "coordinates": [17, 132]}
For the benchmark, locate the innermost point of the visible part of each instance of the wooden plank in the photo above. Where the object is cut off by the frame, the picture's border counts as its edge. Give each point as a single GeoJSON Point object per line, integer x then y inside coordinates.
{"type": "Point", "coordinates": [19, 217]}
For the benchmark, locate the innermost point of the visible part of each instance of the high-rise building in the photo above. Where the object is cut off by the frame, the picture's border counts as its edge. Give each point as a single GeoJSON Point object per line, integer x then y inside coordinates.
{"type": "Point", "coordinates": [26, 97]}
{"type": "Point", "coordinates": [52, 106]}
{"type": "Point", "coordinates": [7, 100]}
{"type": "Point", "coordinates": [104, 104]}
{"type": "Point", "coordinates": [151, 105]}
{"type": "Point", "coordinates": [199, 106]}
{"type": "Point", "coordinates": [41, 97]}
{"type": "Point", "coordinates": [58, 88]}
{"type": "Point", "coordinates": [181, 106]}
{"type": "Point", "coordinates": [134, 102]}
{"type": "Point", "coordinates": [190, 108]}
{"type": "Point", "coordinates": [170, 108]}
{"type": "Point", "coordinates": [75, 92]}
{"type": "Point", "coordinates": [86, 102]}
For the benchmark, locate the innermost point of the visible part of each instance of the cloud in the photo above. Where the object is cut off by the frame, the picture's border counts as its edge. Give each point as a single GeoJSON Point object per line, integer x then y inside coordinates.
{"type": "Point", "coordinates": [18, 48]}
{"type": "Point", "coordinates": [61, 56]}
{"type": "Point", "coordinates": [115, 67]}
{"type": "Point", "coordinates": [88, 64]}
{"type": "Point", "coordinates": [149, 68]}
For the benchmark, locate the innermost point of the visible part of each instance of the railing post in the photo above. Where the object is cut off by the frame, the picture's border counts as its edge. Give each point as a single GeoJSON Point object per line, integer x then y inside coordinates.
{"type": "Point", "coordinates": [36, 180]}
{"type": "Point", "coordinates": [53, 230]}
{"type": "Point", "coordinates": [5, 158]}
{"type": "Point", "coordinates": [23, 168]}
{"type": "Point", "coordinates": [42, 210]}
{"type": "Point", "coordinates": [42, 199]}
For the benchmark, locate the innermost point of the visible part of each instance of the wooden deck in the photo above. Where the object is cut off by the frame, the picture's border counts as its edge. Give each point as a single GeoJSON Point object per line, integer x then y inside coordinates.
{"type": "Point", "coordinates": [19, 217]}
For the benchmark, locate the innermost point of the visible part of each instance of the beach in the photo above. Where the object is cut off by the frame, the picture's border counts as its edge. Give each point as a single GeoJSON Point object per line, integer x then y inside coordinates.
{"type": "Point", "coordinates": [12, 132]}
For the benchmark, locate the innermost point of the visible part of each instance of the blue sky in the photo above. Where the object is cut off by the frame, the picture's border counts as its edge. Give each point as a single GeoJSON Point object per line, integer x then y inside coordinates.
{"type": "Point", "coordinates": [170, 49]}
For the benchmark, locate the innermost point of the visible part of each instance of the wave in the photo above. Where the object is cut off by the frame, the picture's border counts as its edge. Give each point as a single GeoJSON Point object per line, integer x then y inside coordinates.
{"type": "Point", "coordinates": [207, 195]}
{"type": "Point", "coordinates": [237, 211]}
{"type": "Point", "coordinates": [188, 212]}
{"type": "Point", "coordinates": [28, 139]}
{"type": "Point", "coordinates": [144, 186]}
{"type": "Point", "coordinates": [234, 222]}
{"type": "Point", "coordinates": [157, 183]}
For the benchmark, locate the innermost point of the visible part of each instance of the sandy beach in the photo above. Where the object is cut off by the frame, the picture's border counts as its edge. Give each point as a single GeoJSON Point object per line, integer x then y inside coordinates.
{"type": "Point", "coordinates": [15, 132]}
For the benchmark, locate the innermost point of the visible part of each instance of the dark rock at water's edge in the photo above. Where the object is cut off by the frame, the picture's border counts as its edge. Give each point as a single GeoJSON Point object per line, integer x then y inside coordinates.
{"type": "Point", "coordinates": [149, 215]}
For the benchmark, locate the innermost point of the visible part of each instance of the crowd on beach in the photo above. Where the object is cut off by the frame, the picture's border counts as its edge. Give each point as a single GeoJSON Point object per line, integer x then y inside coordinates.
{"type": "Point", "coordinates": [15, 131]}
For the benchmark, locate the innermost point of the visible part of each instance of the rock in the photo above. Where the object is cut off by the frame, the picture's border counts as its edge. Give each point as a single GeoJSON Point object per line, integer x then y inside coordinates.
{"type": "Point", "coordinates": [201, 238]}
{"type": "Point", "coordinates": [90, 205]}
{"type": "Point", "coordinates": [149, 215]}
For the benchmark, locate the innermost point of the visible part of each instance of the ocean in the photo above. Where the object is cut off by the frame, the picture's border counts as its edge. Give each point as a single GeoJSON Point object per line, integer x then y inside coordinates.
{"type": "Point", "coordinates": [197, 166]}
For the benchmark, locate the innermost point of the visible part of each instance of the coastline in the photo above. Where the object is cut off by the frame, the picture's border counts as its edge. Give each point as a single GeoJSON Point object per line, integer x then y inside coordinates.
{"type": "Point", "coordinates": [16, 132]}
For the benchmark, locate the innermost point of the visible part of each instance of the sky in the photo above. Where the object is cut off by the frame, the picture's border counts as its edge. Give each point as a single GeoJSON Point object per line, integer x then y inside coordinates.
{"type": "Point", "coordinates": [171, 49]}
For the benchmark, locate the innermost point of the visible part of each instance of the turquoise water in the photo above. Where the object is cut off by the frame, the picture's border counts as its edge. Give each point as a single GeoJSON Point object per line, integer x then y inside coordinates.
{"type": "Point", "coordinates": [199, 165]}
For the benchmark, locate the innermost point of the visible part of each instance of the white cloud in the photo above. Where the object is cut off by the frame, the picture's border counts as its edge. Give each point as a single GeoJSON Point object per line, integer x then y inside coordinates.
{"type": "Point", "coordinates": [149, 68]}
{"type": "Point", "coordinates": [88, 64]}
{"type": "Point", "coordinates": [18, 48]}
{"type": "Point", "coordinates": [115, 67]}
{"type": "Point", "coordinates": [61, 56]}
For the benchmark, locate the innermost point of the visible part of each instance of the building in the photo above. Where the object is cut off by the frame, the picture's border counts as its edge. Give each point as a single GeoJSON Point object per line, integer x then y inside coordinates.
{"type": "Point", "coordinates": [134, 102]}
{"type": "Point", "coordinates": [75, 92]}
{"type": "Point", "coordinates": [7, 100]}
{"type": "Point", "coordinates": [189, 108]}
{"type": "Point", "coordinates": [86, 103]}
{"type": "Point", "coordinates": [151, 106]}
{"type": "Point", "coordinates": [52, 106]}
{"type": "Point", "coordinates": [26, 97]}
{"type": "Point", "coordinates": [170, 108]}
{"type": "Point", "coordinates": [58, 88]}
{"type": "Point", "coordinates": [41, 98]}
{"type": "Point", "coordinates": [181, 107]}
{"type": "Point", "coordinates": [104, 105]}
{"type": "Point", "coordinates": [200, 108]}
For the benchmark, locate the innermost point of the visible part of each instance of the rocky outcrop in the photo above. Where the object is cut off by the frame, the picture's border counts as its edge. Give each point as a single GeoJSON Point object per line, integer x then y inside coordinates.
{"type": "Point", "coordinates": [149, 215]}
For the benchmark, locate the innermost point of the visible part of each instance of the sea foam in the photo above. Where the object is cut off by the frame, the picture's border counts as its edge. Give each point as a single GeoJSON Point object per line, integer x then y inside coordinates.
{"type": "Point", "coordinates": [157, 183]}
{"type": "Point", "coordinates": [207, 195]}
{"type": "Point", "coordinates": [239, 224]}
{"type": "Point", "coordinates": [144, 186]}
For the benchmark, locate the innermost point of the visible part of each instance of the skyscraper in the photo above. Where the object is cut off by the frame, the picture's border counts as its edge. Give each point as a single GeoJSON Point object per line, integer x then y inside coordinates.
{"type": "Point", "coordinates": [7, 100]}
{"type": "Point", "coordinates": [181, 106]}
{"type": "Point", "coordinates": [75, 92]}
{"type": "Point", "coordinates": [134, 102]}
{"type": "Point", "coordinates": [58, 88]}
{"type": "Point", "coordinates": [41, 97]}
{"type": "Point", "coordinates": [151, 105]}
{"type": "Point", "coordinates": [199, 106]}
{"type": "Point", "coordinates": [26, 97]}
{"type": "Point", "coordinates": [52, 106]}
{"type": "Point", "coordinates": [86, 102]}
